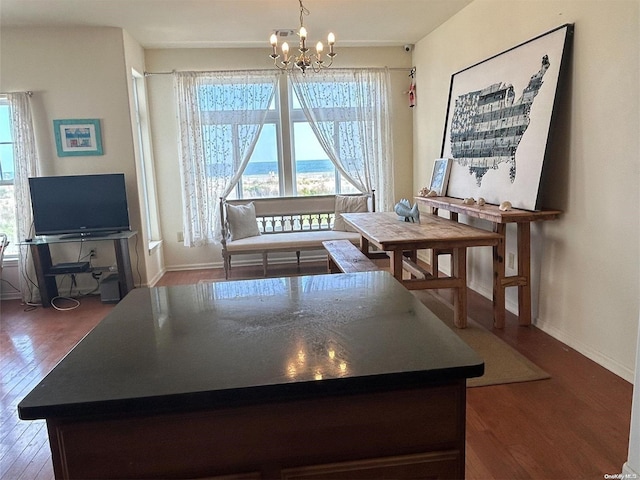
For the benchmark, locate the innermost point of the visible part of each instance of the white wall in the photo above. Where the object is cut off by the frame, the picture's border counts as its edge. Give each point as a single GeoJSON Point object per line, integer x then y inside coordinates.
{"type": "Point", "coordinates": [586, 265]}
{"type": "Point", "coordinates": [77, 73]}
{"type": "Point", "coordinates": [163, 120]}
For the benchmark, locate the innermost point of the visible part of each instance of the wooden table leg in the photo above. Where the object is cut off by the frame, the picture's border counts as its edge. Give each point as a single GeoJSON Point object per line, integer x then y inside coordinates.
{"type": "Point", "coordinates": [499, 252]}
{"type": "Point", "coordinates": [524, 271]}
{"type": "Point", "coordinates": [395, 264]}
{"type": "Point", "coordinates": [459, 259]}
{"type": "Point", "coordinates": [433, 262]}
{"type": "Point", "coordinates": [364, 245]}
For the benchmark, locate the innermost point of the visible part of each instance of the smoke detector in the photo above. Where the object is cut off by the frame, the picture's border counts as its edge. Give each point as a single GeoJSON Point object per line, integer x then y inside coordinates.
{"type": "Point", "coordinates": [284, 33]}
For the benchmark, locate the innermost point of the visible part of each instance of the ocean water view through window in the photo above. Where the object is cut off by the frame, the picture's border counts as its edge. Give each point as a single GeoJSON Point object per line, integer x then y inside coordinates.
{"type": "Point", "coordinates": [311, 171]}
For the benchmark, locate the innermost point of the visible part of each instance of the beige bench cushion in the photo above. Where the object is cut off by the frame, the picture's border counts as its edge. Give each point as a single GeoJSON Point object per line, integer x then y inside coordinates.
{"type": "Point", "coordinates": [290, 241]}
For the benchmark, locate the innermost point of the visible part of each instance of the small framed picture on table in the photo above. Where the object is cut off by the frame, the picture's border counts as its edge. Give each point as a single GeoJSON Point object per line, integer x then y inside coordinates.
{"type": "Point", "coordinates": [440, 176]}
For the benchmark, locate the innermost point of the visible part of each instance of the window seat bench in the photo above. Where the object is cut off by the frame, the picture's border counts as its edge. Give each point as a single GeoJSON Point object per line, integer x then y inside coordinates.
{"type": "Point", "coordinates": [286, 224]}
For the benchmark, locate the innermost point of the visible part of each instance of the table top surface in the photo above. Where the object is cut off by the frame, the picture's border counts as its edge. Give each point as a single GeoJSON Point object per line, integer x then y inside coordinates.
{"type": "Point", "coordinates": [93, 237]}
{"type": "Point", "coordinates": [387, 230]}
{"type": "Point", "coordinates": [488, 211]}
{"type": "Point", "coordinates": [233, 343]}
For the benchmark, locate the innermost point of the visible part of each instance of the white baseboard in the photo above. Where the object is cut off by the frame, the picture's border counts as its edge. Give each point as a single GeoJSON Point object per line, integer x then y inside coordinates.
{"type": "Point", "coordinates": [191, 266]}
{"type": "Point", "coordinates": [628, 472]}
{"type": "Point", "coordinates": [598, 357]}
{"type": "Point", "coordinates": [155, 279]}
{"type": "Point", "coordinates": [247, 261]}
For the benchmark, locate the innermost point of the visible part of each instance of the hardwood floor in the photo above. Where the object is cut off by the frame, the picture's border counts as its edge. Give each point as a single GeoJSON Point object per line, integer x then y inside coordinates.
{"type": "Point", "coordinates": [574, 425]}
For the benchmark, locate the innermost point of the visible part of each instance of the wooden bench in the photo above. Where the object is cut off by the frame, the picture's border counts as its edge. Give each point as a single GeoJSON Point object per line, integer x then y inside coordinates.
{"type": "Point", "coordinates": [344, 256]}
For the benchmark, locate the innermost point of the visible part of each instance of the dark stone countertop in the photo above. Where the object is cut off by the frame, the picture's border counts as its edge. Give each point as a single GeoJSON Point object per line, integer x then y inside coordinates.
{"type": "Point", "coordinates": [214, 345]}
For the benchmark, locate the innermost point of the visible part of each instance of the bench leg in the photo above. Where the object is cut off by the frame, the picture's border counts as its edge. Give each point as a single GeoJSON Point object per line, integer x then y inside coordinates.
{"type": "Point", "coordinates": [331, 265]}
{"type": "Point", "coordinates": [264, 263]}
{"type": "Point", "coordinates": [227, 266]}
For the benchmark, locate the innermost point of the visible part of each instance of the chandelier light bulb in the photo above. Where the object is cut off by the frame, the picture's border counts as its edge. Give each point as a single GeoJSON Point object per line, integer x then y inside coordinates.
{"type": "Point", "coordinates": [303, 60]}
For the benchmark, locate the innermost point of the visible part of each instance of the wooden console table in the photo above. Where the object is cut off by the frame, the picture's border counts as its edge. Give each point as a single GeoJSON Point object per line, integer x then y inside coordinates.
{"type": "Point", "coordinates": [326, 376]}
{"type": "Point", "coordinates": [499, 219]}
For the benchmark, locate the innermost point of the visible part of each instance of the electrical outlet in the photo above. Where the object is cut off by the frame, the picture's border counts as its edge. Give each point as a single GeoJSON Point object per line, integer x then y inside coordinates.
{"type": "Point", "coordinates": [93, 252]}
{"type": "Point", "coordinates": [511, 260]}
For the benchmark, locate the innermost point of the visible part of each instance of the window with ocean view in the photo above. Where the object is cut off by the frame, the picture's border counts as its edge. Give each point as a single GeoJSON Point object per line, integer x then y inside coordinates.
{"type": "Point", "coordinates": [299, 167]}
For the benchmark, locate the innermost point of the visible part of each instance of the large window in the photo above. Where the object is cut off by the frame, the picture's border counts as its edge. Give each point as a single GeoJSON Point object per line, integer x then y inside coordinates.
{"type": "Point", "coordinates": [257, 133]}
{"type": "Point", "coordinates": [7, 174]}
{"type": "Point", "coordinates": [291, 161]}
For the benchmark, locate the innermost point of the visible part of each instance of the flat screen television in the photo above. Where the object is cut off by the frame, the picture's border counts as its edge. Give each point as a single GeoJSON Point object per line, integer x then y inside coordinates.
{"type": "Point", "coordinates": [79, 205]}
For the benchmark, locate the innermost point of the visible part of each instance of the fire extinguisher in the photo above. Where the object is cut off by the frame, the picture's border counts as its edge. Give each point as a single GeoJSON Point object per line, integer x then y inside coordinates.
{"type": "Point", "coordinates": [412, 89]}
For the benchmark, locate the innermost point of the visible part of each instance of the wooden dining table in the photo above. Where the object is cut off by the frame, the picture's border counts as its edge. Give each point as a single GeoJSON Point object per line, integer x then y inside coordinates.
{"type": "Point", "coordinates": [401, 241]}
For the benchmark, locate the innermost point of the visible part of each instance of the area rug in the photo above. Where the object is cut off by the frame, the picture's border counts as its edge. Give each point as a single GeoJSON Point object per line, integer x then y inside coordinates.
{"type": "Point", "coordinates": [502, 364]}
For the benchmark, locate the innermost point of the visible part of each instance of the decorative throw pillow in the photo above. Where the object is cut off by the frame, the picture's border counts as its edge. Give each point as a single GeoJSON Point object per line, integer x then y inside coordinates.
{"type": "Point", "coordinates": [348, 204]}
{"type": "Point", "coordinates": [242, 221]}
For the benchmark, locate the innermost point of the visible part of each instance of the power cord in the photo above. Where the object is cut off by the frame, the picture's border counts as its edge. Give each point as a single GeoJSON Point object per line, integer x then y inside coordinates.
{"type": "Point", "coordinates": [75, 303]}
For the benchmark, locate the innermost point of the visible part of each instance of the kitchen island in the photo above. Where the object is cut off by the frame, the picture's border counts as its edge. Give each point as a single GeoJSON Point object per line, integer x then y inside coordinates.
{"type": "Point", "coordinates": [325, 376]}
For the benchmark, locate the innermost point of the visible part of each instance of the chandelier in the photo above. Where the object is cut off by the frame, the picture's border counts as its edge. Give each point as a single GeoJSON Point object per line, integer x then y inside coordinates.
{"type": "Point", "coordinates": [304, 59]}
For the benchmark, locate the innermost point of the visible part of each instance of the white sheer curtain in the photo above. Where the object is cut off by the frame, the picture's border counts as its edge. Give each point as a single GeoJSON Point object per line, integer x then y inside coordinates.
{"type": "Point", "coordinates": [348, 111]}
{"type": "Point", "coordinates": [220, 117]}
{"type": "Point", "coordinates": [25, 159]}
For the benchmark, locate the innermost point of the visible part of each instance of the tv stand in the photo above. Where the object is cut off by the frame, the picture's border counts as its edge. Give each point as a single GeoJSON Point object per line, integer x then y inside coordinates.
{"type": "Point", "coordinates": [87, 235]}
{"type": "Point", "coordinates": [46, 273]}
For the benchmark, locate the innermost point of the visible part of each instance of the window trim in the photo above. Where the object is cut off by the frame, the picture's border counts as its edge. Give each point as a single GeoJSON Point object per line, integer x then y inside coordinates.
{"type": "Point", "coordinates": [144, 163]}
{"type": "Point", "coordinates": [10, 256]}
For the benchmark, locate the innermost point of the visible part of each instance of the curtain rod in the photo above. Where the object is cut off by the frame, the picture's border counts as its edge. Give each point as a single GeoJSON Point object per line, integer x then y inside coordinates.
{"type": "Point", "coordinates": [411, 70]}
{"type": "Point", "coordinates": [28, 92]}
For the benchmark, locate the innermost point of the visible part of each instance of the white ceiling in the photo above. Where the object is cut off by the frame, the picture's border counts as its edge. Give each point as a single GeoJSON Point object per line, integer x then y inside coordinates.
{"type": "Point", "coordinates": [240, 23]}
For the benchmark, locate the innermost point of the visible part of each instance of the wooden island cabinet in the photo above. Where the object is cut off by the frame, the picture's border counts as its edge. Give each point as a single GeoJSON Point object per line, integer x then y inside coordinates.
{"type": "Point", "coordinates": [313, 377]}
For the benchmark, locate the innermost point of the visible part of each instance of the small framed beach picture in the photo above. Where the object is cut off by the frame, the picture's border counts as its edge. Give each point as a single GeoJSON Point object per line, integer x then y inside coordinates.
{"type": "Point", "coordinates": [440, 176]}
{"type": "Point", "coordinates": [78, 137]}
